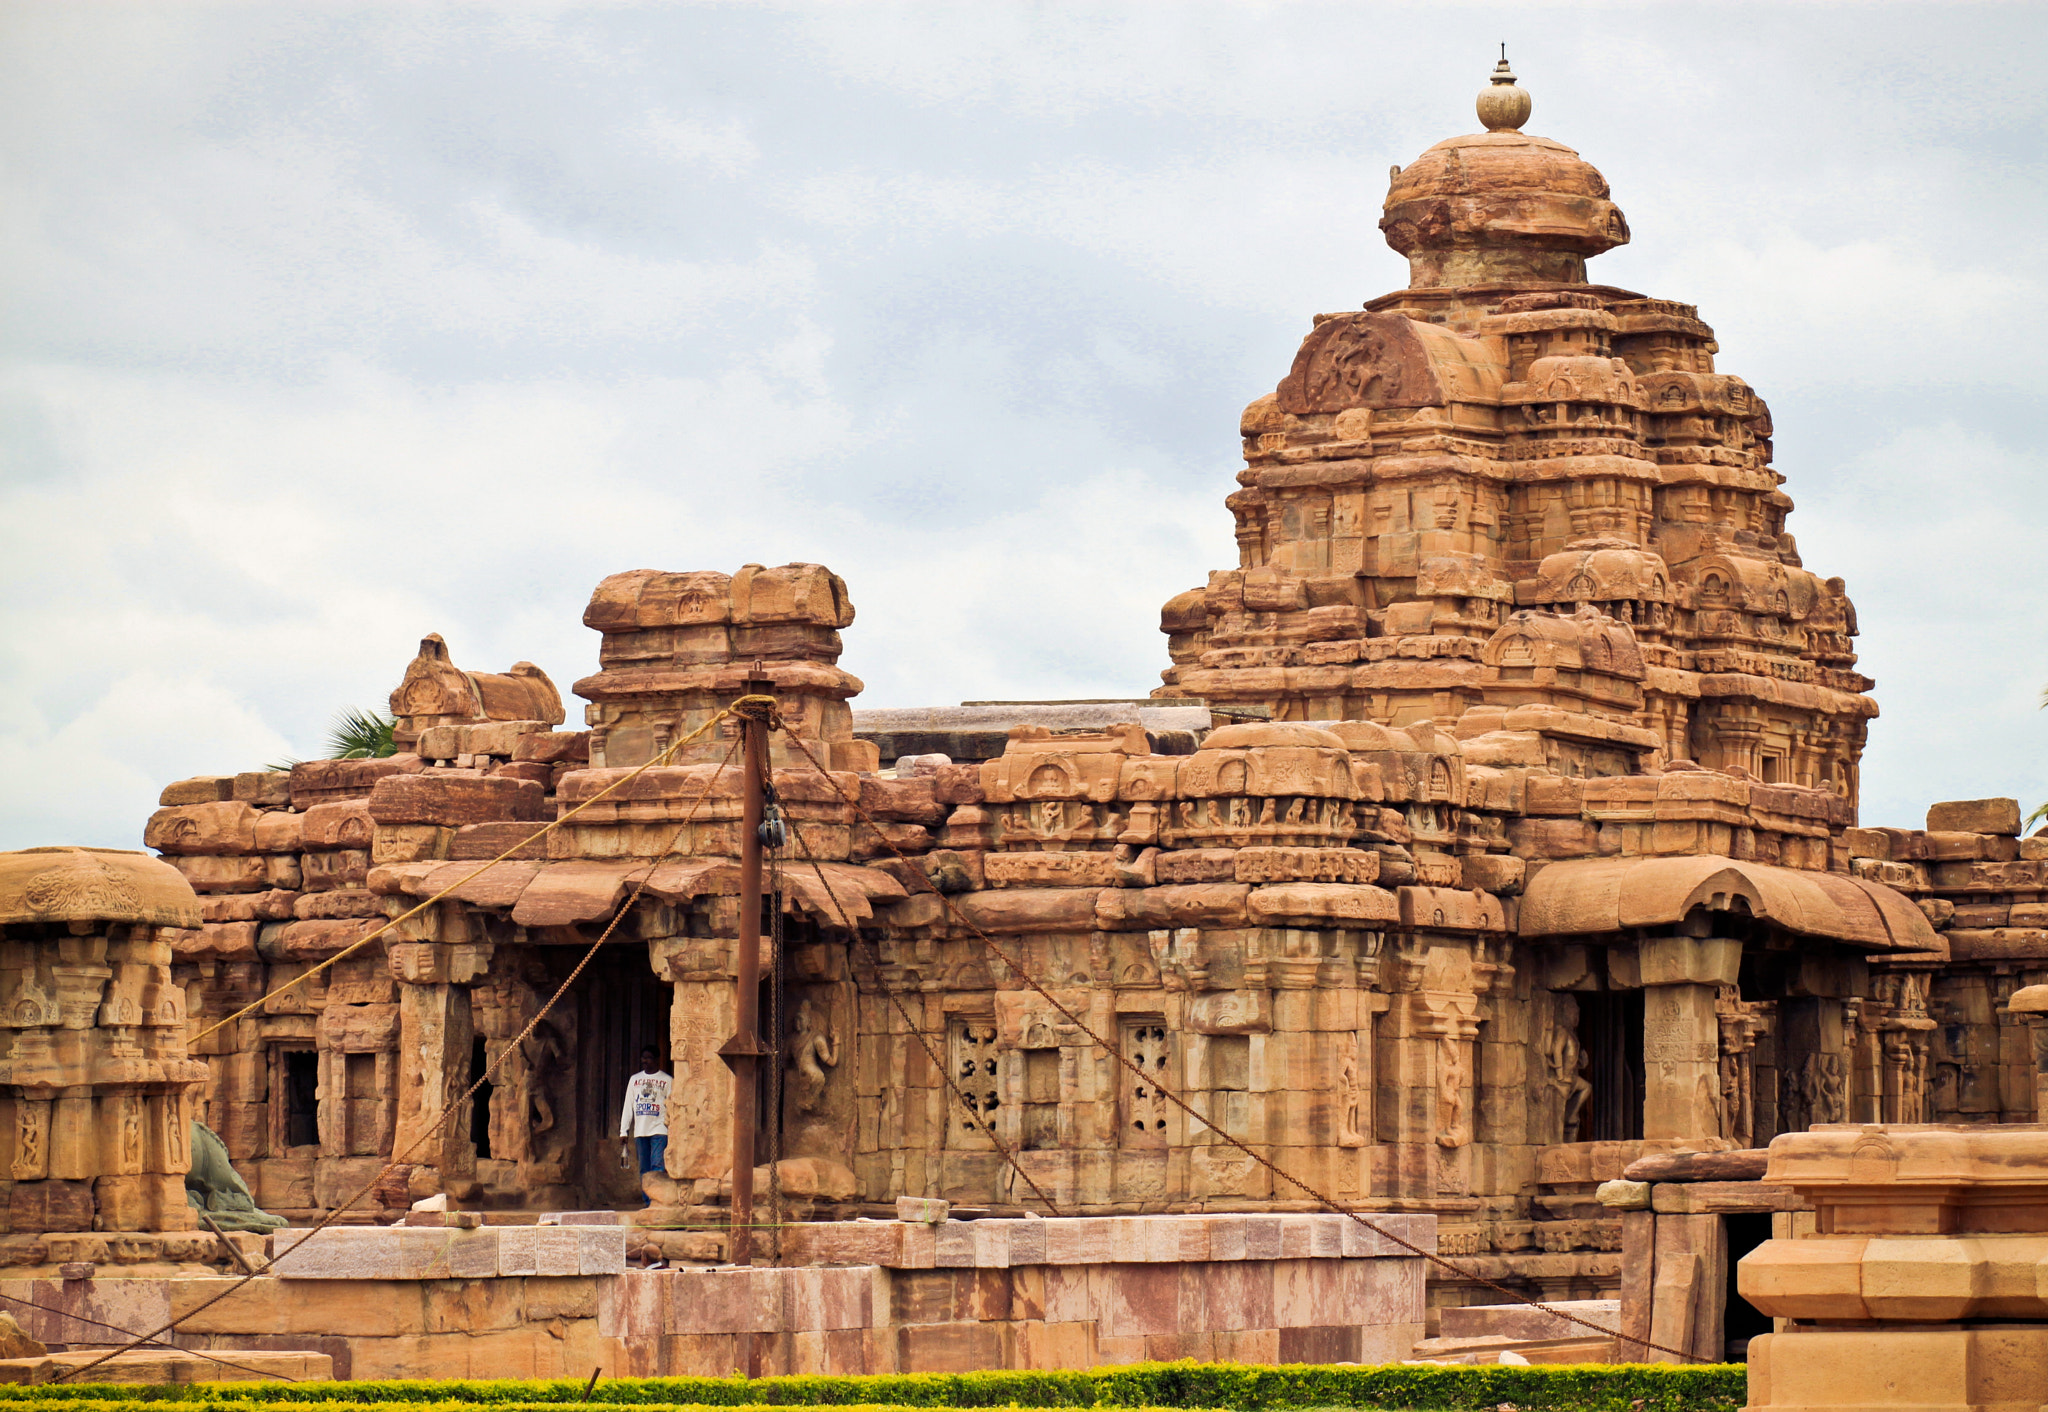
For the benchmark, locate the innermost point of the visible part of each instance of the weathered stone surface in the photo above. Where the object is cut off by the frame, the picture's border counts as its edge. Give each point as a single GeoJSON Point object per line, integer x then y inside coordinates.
{"type": "Point", "coordinates": [454, 800]}
{"type": "Point", "coordinates": [1975, 816]}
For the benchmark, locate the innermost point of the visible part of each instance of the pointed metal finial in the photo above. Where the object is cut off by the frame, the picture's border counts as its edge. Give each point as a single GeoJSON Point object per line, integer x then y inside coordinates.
{"type": "Point", "coordinates": [1503, 105]}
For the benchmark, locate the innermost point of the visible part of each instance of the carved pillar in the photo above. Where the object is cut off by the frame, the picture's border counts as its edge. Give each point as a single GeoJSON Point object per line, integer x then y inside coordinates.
{"type": "Point", "coordinates": [701, 1016]}
{"type": "Point", "coordinates": [1741, 1022]}
{"type": "Point", "coordinates": [1904, 1031]}
{"type": "Point", "coordinates": [1682, 1033]}
{"type": "Point", "coordinates": [1426, 1091]}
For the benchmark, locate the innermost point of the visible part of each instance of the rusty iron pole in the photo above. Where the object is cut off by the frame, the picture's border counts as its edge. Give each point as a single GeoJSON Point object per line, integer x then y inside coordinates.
{"type": "Point", "coordinates": [742, 1053]}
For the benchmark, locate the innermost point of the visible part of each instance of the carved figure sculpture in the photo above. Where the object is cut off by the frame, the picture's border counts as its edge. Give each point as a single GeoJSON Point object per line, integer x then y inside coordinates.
{"type": "Point", "coordinates": [215, 1187]}
{"type": "Point", "coordinates": [1568, 1060]}
{"type": "Point", "coordinates": [814, 1051]}
{"type": "Point", "coordinates": [1348, 1133]}
{"type": "Point", "coordinates": [1453, 1122]}
{"type": "Point", "coordinates": [1824, 1086]}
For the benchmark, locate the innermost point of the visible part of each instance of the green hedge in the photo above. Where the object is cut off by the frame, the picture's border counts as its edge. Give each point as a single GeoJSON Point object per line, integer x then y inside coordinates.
{"type": "Point", "coordinates": [1585, 1387]}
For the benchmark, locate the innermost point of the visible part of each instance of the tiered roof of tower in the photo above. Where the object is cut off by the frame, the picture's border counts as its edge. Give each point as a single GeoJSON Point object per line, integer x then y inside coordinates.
{"type": "Point", "coordinates": [1503, 486]}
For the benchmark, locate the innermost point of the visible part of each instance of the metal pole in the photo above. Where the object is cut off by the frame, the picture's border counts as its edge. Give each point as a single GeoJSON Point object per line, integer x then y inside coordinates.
{"type": "Point", "coordinates": [742, 1052]}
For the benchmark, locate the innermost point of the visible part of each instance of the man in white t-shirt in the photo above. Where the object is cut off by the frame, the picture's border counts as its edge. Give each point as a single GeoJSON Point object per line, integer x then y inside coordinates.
{"type": "Point", "coordinates": [645, 1118]}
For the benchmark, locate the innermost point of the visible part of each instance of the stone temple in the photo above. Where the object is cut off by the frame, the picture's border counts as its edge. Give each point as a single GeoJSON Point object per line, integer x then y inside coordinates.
{"type": "Point", "coordinates": [1495, 828]}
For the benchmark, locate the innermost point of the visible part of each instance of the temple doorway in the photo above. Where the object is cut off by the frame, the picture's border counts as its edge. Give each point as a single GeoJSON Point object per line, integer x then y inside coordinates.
{"type": "Point", "coordinates": [620, 1006]}
{"type": "Point", "coordinates": [1741, 1321]}
{"type": "Point", "coordinates": [1611, 1037]}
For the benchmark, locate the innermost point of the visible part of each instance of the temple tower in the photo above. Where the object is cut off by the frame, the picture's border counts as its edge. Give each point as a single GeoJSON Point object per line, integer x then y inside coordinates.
{"type": "Point", "coordinates": [1504, 488]}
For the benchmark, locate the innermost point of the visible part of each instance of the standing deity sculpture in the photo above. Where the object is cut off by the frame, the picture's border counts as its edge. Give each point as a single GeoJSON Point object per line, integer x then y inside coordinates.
{"type": "Point", "coordinates": [814, 1050]}
{"type": "Point", "coordinates": [1568, 1060]}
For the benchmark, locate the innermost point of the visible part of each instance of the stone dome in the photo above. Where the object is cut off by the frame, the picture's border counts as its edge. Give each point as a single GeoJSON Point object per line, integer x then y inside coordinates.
{"type": "Point", "coordinates": [94, 885]}
{"type": "Point", "coordinates": [1500, 207]}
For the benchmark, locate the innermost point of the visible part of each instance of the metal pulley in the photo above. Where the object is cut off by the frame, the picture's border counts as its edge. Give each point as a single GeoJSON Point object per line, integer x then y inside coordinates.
{"type": "Point", "coordinates": [773, 832]}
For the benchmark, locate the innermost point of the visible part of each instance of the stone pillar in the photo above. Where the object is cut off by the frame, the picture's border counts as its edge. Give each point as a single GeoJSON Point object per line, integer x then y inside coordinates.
{"type": "Point", "coordinates": [1918, 1286]}
{"type": "Point", "coordinates": [434, 1043]}
{"type": "Point", "coordinates": [701, 1018]}
{"type": "Point", "coordinates": [1682, 1033]}
{"type": "Point", "coordinates": [1425, 1117]}
{"type": "Point", "coordinates": [2030, 1003]}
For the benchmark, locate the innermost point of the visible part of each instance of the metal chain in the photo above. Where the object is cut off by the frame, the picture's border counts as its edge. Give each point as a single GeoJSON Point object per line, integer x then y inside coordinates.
{"type": "Point", "coordinates": [939, 1065]}
{"type": "Point", "coordinates": [776, 982]}
{"type": "Point", "coordinates": [1116, 1052]}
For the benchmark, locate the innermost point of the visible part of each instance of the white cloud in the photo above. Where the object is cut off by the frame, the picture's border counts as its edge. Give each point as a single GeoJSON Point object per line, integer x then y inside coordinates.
{"type": "Point", "coordinates": [325, 327]}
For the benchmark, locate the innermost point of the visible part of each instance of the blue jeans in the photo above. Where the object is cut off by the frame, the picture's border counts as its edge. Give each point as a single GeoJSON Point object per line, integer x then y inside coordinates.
{"type": "Point", "coordinates": [653, 1151]}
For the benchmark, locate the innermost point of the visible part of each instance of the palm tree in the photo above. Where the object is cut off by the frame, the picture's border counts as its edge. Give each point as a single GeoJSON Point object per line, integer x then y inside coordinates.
{"type": "Point", "coordinates": [356, 735]}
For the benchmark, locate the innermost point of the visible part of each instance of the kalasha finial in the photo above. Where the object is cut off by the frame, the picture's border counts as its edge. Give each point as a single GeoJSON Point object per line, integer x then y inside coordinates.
{"type": "Point", "coordinates": [1503, 105]}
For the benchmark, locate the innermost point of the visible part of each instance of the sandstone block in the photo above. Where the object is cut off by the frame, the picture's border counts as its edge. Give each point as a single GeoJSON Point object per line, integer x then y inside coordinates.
{"type": "Point", "coordinates": [342, 824]}
{"type": "Point", "coordinates": [553, 747]}
{"type": "Point", "coordinates": [1551, 838]}
{"type": "Point", "coordinates": [1197, 865]}
{"type": "Point", "coordinates": [266, 789]}
{"type": "Point", "coordinates": [324, 781]}
{"type": "Point", "coordinates": [277, 831]}
{"type": "Point", "coordinates": [1191, 905]}
{"type": "Point", "coordinates": [1337, 865]}
{"type": "Point", "coordinates": [202, 828]}
{"type": "Point", "coordinates": [410, 843]}
{"type": "Point", "coordinates": [482, 841]}
{"type": "Point", "coordinates": [1029, 910]}
{"type": "Point", "coordinates": [1492, 872]}
{"type": "Point", "coordinates": [1333, 901]}
{"type": "Point", "coordinates": [270, 906]}
{"type": "Point", "coordinates": [1991, 816]}
{"type": "Point", "coordinates": [215, 873]}
{"type": "Point", "coordinates": [229, 941]}
{"type": "Point", "coordinates": [454, 800]}
{"type": "Point", "coordinates": [200, 789]}
{"type": "Point", "coordinates": [50, 1206]}
{"type": "Point", "coordinates": [337, 869]}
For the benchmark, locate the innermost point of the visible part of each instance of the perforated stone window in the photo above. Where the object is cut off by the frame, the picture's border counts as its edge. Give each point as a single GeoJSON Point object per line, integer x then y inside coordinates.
{"type": "Point", "coordinates": [1143, 1110]}
{"type": "Point", "coordinates": [971, 1051]}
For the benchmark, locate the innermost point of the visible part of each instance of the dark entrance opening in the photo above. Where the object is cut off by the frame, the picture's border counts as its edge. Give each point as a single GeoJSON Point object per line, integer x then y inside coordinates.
{"type": "Point", "coordinates": [1611, 1035]}
{"type": "Point", "coordinates": [301, 1097]}
{"type": "Point", "coordinates": [623, 1008]}
{"type": "Point", "coordinates": [1741, 1321]}
{"type": "Point", "coordinates": [480, 1106]}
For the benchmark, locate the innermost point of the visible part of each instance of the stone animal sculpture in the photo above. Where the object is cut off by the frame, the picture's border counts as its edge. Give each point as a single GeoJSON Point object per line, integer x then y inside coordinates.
{"type": "Point", "coordinates": [216, 1188]}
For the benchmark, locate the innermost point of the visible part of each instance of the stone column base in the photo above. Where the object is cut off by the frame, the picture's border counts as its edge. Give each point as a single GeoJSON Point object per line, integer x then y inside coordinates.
{"type": "Point", "coordinates": [1928, 1368]}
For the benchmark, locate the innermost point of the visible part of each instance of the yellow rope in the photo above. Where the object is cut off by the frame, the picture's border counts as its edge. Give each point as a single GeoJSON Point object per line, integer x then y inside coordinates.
{"type": "Point", "coordinates": [454, 1110]}
{"type": "Point", "coordinates": [442, 895]}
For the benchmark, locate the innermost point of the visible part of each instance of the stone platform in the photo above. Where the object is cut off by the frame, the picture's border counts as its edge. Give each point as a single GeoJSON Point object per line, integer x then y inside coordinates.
{"type": "Point", "coordinates": [157, 1366]}
{"type": "Point", "coordinates": [858, 1297]}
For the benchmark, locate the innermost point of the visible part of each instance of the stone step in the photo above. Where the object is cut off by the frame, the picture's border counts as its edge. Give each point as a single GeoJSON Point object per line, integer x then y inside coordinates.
{"type": "Point", "coordinates": [1524, 1321]}
{"type": "Point", "coordinates": [166, 1365]}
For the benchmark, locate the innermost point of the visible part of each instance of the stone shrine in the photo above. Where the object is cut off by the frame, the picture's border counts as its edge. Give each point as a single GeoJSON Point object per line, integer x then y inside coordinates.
{"type": "Point", "coordinates": [1495, 828]}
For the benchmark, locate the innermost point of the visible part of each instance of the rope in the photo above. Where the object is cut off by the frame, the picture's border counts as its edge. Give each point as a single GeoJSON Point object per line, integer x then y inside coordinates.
{"type": "Point", "coordinates": [1116, 1052]}
{"type": "Point", "coordinates": [535, 837]}
{"type": "Point", "coordinates": [455, 1109]}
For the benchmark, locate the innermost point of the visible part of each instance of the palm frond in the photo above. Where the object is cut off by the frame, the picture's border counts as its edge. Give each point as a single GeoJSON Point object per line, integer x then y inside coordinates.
{"type": "Point", "coordinates": [361, 735]}
{"type": "Point", "coordinates": [2040, 813]}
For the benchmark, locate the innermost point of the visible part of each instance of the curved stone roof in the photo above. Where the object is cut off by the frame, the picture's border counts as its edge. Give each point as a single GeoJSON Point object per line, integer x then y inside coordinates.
{"type": "Point", "coordinates": [1509, 195]}
{"type": "Point", "coordinates": [1594, 896]}
{"type": "Point", "coordinates": [94, 885]}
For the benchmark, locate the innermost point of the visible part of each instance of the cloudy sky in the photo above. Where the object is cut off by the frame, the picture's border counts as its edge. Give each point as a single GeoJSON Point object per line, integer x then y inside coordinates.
{"type": "Point", "coordinates": [326, 326]}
